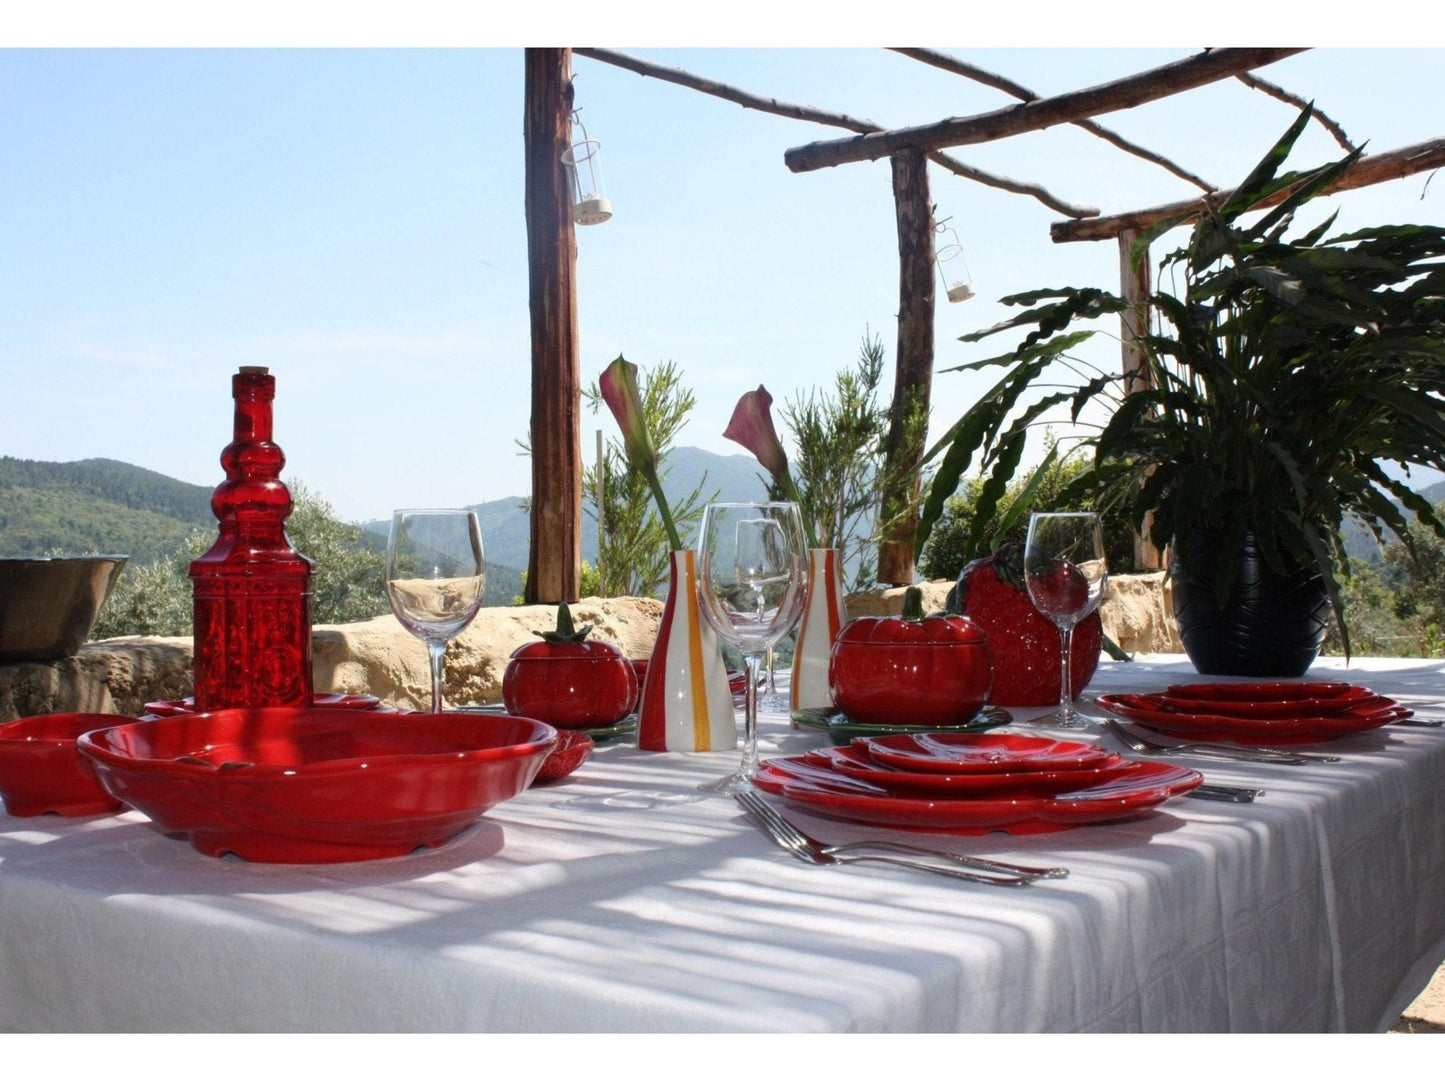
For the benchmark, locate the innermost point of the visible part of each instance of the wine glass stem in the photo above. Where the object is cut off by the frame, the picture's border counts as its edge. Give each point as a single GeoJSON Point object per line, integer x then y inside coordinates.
{"type": "Point", "coordinates": [1066, 688]}
{"type": "Point", "coordinates": [436, 651]}
{"type": "Point", "coordinates": [748, 767]}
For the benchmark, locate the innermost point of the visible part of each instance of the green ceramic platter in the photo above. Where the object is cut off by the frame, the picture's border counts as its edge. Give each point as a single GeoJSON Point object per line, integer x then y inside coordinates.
{"type": "Point", "coordinates": [843, 731]}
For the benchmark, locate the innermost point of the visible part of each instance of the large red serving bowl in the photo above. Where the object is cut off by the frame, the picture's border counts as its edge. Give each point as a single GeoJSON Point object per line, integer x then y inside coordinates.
{"type": "Point", "coordinates": [42, 772]}
{"type": "Point", "coordinates": [318, 785]}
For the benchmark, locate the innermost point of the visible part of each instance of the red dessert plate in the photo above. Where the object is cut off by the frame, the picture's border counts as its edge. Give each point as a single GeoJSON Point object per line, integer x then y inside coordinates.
{"type": "Point", "coordinates": [812, 783]}
{"type": "Point", "coordinates": [318, 785]}
{"type": "Point", "coordinates": [181, 706]}
{"type": "Point", "coordinates": [1253, 730]}
{"type": "Point", "coordinates": [855, 760]}
{"type": "Point", "coordinates": [961, 752]}
{"type": "Point", "coordinates": [1281, 691]}
{"type": "Point", "coordinates": [1348, 699]}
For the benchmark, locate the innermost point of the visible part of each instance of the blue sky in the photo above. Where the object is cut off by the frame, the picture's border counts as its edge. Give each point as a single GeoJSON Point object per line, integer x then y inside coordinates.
{"type": "Point", "coordinates": [353, 219]}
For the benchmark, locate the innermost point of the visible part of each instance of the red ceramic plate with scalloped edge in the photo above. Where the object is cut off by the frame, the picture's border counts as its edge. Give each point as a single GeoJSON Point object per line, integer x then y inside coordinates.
{"type": "Point", "coordinates": [1281, 705]}
{"type": "Point", "coordinates": [814, 784]}
{"type": "Point", "coordinates": [1272, 691]}
{"type": "Point", "coordinates": [181, 706]}
{"type": "Point", "coordinates": [963, 752]}
{"type": "Point", "coordinates": [1253, 731]}
{"type": "Point", "coordinates": [318, 785]}
{"type": "Point", "coordinates": [854, 760]}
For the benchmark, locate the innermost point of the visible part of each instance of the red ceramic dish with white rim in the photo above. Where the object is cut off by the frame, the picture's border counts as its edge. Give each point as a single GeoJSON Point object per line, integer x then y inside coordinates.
{"type": "Point", "coordinates": [318, 785]}
{"type": "Point", "coordinates": [42, 772]}
{"type": "Point", "coordinates": [854, 760]}
{"type": "Point", "coordinates": [963, 752]}
{"type": "Point", "coordinates": [812, 783]}
{"type": "Point", "coordinates": [1254, 730]}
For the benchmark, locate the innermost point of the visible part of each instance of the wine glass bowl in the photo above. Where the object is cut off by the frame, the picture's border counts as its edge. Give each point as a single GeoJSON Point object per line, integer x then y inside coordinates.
{"type": "Point", "coordinates": [1066, 575]}
{"type": "Point", "coordinates": [435, 579]}
{"type": "Point", "coordinates": [752, 586]}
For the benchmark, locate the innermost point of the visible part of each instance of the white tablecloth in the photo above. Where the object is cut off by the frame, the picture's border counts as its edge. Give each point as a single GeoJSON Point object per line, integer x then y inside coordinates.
{"type": "Point", "coordinates": [595, 904]}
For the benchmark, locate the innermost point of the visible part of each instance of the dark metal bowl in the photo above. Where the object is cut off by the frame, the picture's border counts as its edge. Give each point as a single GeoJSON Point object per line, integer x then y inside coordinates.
{"type": "Point", "coordinates": [48, 604]}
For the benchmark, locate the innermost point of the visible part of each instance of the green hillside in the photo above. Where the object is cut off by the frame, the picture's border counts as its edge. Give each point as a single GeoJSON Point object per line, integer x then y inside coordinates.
{"type": "Point", "coordinates": [96, 506]}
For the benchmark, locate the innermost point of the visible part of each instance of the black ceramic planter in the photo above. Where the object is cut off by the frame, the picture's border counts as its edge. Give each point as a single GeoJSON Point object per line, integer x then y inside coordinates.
{"type": "Point", "coordinates": [1272, 626]}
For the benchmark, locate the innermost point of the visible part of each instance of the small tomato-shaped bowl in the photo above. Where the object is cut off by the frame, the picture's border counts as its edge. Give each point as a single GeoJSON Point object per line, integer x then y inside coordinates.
{"type": "Point", "coordinates": [42, 772]}
{"type": "Point", "coordinates": [910, 669]}
{"type": "Point", "coordinates": [570, 681]}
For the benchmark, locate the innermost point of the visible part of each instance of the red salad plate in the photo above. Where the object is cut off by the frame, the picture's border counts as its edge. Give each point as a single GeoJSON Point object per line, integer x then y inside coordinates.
{"type": "Point", "coordinates": [963, 752]}
{"type": "Point", "coordinates": [318, 785]}
{"type": "Point", "coordinates": [855, 760]}
{"type": "Point", "coordinates": [1278, 691]}
{"type": "Point", "coordinates": [812, 783]}
{"type": "Point", "coordinates": [1252, 730]}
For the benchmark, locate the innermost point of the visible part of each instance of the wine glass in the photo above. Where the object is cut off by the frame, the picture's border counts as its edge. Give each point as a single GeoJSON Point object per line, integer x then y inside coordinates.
{"type": "Point", "coordinates": [752, 586]}
{"type": "Point", "coordinates": [435, 577]}
{"type": "Point", "coordinates": [1066, 575]}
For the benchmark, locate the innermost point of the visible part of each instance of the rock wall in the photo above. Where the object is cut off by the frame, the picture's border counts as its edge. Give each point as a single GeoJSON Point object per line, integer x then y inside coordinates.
{"type": "Point", "coordinates": [378, 656]}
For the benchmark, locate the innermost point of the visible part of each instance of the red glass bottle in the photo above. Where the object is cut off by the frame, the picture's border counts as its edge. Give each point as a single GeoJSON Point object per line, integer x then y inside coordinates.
{"type": "Point", "coordinates": [252, 589]}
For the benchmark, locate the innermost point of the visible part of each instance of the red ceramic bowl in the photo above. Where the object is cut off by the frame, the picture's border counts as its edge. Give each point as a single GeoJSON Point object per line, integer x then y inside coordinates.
{"type": "Point", "coordinates": [41, 772]}
{"type": "Point", "coordinates": [573, 748]}
{"type": "Point", "coordinates": [318, 785]}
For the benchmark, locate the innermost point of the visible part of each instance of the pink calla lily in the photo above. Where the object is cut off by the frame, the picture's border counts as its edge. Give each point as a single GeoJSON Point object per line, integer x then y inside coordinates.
{"type": "Point", "coordinates": [618, 384]}
{"type": "Point", "coordinates": [752, 427]}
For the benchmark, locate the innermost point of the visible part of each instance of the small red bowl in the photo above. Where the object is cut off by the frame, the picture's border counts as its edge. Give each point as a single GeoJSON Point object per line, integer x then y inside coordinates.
{"type": "Point", "coordinates": [321, 784]}
{"type": "Point", "coordinates": [572, 749]}
{"type": "Point", "coordinates": [42, 772]}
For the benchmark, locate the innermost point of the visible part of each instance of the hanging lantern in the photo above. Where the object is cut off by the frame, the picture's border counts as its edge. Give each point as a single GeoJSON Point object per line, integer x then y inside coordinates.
{"type": "Point", "coordinates": [589, 196]}
{"type": "Point", "coordinates": [957, 283]}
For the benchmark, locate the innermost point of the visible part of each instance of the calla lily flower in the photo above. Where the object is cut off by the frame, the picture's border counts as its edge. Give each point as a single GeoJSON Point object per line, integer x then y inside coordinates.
{"type": "Point", "coordinates": [752, 427]}
{"type": "Point", "coordinates": [619, 390]}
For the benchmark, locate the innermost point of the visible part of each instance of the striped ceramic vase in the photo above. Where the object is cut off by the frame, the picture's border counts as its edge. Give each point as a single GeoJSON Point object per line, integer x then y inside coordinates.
{"type": "Point", "coordinates": [823, 617]}
{"type": "Point", "coordinates": [686, 702]}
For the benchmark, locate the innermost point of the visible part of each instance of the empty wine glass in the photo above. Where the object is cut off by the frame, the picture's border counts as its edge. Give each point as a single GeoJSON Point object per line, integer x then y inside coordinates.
{"type": "Point", "coordinates": [752, 586]}
{"type": "Point", "coordinates": [1066, 575]}
{"type": "Point", "coordinates": [435, 578]}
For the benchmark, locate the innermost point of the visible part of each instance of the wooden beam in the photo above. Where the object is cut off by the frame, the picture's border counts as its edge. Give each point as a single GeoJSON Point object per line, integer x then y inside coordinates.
{"type": "Point", "coordinates": [913, 377]}
{"type": "Point", "coordinates": [955, 66]}
{"type": "Point", "coordinates": [1135, 278]}
{"type": "Point", "coordinates": [775, 107]}
{"type": "Point", "coordinates": [555, 559]}
{"type": "Point", "coordinates": [1367, 171]}
{"type": "Point", "coordinates": [1036, 115]}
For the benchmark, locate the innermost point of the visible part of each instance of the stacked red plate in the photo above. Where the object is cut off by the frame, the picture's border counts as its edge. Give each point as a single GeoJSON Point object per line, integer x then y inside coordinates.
{"type": "Point", "coordinates": [970, 784]}
{"type": "Point", "coordinates": [1258, 714]}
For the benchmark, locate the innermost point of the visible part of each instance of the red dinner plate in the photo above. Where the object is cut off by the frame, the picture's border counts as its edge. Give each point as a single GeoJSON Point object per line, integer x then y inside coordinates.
{"type": "Point", "coordinates": [855, 760]}
{"type": "Point", "coordinates": [964, 752]}
{"type": "Point", "coordinates": [1253, 731]}
{"type": "Point", "coordinates": [813, 784]}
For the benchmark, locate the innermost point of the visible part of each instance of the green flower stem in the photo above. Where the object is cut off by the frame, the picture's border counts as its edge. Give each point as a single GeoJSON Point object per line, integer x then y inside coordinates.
{"type": "Point", "coordinates": [650, 473]}
{"type": "Point", "coordinates": [791, 489]}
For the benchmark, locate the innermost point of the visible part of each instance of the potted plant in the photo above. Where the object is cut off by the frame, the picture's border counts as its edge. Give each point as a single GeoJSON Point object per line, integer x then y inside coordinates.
{"type": "Point", "coordinates": [1278, 376]}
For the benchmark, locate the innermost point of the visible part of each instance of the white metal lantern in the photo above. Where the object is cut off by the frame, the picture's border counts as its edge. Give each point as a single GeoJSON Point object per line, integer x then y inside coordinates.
{"type": "Point", "coordinates": [957, 283]}
{"type": "Point", "coordinates": [589, 197]}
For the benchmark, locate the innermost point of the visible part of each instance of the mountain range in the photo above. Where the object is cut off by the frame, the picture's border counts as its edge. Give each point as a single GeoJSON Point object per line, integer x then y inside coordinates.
{"type": "Point", "coordinates": [106, 506]}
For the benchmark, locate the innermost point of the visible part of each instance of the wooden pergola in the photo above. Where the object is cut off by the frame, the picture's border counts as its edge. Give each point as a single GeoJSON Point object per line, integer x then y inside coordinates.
{"type": "Point", "coordinates": [554, 567]}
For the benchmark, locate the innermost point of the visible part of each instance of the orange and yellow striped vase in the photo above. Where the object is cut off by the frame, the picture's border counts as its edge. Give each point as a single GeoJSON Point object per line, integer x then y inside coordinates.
{"type": "Point", "coordinates": [823, 617]}
{"type": "Point", "coordinates": [686, 702]}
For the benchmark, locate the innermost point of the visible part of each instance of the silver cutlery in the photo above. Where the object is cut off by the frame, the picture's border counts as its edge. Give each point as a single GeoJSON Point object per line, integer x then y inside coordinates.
{"type": "Point", "coordinates": [1423, 722]}
{"type": "Point", "coordinates": [1225, 793]}
{"type": "Point", "coordinates": [1221, 751]}
{"type": "Point", "coordinates": [805, 849]}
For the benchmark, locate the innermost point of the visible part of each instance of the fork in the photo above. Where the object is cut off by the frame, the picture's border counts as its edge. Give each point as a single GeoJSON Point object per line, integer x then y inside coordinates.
{"type": "Point", "coordinates": [805, 849]}
{"type": "Point", "coordinates": [1212, 750]}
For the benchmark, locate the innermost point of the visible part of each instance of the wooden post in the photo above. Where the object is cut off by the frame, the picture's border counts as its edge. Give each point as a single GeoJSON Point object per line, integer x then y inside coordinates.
{"type": "Point", "coordinates": [913, 377]}
{"type": "Point", "coordinates": [554, 562]}
{"type": "Point", "coordinates": [1134, 288]}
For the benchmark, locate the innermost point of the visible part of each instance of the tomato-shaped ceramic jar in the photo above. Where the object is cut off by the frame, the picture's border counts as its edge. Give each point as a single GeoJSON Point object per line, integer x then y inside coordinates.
{"type": "Point", "coordinates": [910, 669]}
{"type": "Point", "coordinates": [568, 680]}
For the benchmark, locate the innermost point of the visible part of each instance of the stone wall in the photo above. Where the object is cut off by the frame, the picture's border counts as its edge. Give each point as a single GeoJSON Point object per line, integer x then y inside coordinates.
{"type": "Point", "coordinates": [379, 657]}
